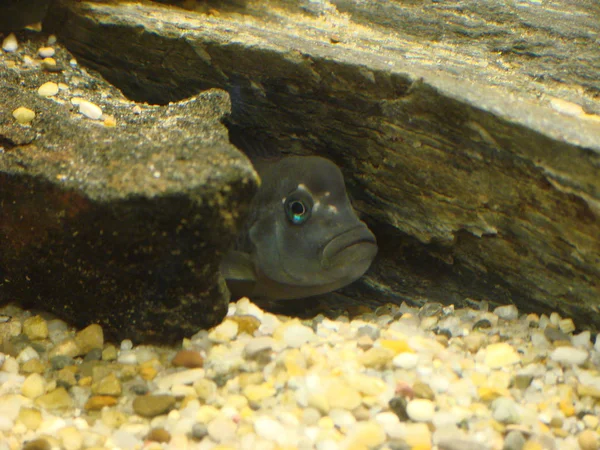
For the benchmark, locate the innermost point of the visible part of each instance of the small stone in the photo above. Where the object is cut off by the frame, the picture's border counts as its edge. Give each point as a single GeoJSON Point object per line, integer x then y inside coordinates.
{"type": "Point", "coordinates": [566, 325]}
{"type": "Point", "coordinates": [259, 392]}
{"type": "Point", "coordinates": [222, 429]}
{"type": "Point", "coordinates": [205, 388]}
{"type": "Point", "coordinates": [109, 353]}
{"type": "Point", "coordinates": [259, 347]}
{"type": "Point", "coordinates": [27, 354]}
{"type": "Point", "coordinates": [423, 390]}
{"type": "Point", "coordinates": [367, 434]}
{"type": "Point", "coordinates": [420, 410]}
{"type": "Point", "coordinates": [184, 377]}
{"type": "Point", "coordinates": [199, 431]}
{"type": "Point", "coordinates": [398, 406]}
{"type": "Point", "coordinates": [159, 435]}
{"type": "Point", "coordinates": [247, 323]}
{"type": "Point", "coordinates": [33, 366]}
{"type": "Point", "coordinates": [10, 44]}
{"type": "Point", "coordinates": [70, 438]}
{"type": "Point", "coordinates": [507, 312]}
{"type": "Point", "coordinates": [66, 347]}
{"type": "Point", "coordinates": [46, 52]}
{"type": "Point", "coordinates": [109, 385]}
{"type": "Point", "coordinates": [30, 417]}
{"type": "Point", "coordinates": [91, 337]}
{"type": "Point", "coordinates": [505, 410]}
{"type": "Point", "coordinates": [33, 386]}
{"type": "Point", "coordinates": [97, 402]}
{"type": "Point", "coordinates": [37, 444]}
{"type": "Point", "coordinates": [587, 390]}
{"type": "Point", "coordinates": [377, 357]}
{"type": "Point", "coordinates": [224, 332]}
{"type": "Point", "coordinates": [269, 429]}
{"type": "Point", "coordinates": [522, 381]}
{"type": "Point", "coordinates": [94, 354]}
{"type": "Point", "coordinates": [514, 440]}
{"type": "Point", "coordinates": [482, 324]}
{"type": "Point", "coordinates": [23, 116]}
{"type": "Point", "coordinates": [295, 334]}
{"type": "Point", "coordinates": [555, 335]}
{"type": "Point", "coordinates": [588, 440]}
{"type": "Point", "coordinates": [569, 355]}
{"type": "Point", "coordinates": [48, 89]}
{"type": "Point", "coordinates": [59, 398]}
{"type": "Point", "coordinates": [591, 421]}
{"type": "Point", "coordinates": [500, 355]}
{"type": "Point", "coordinates": [153, 405]}
{"type": "Point", "coordinates": [474, 341]}
{"type": "Point", "coordinates": [340, 395]}
{"type": "Point", "coordinates": [61, 361]}
{"type": "Point", "coordinates": [90, 110]}
{"type": "Point", "coordinates": [188, 358]}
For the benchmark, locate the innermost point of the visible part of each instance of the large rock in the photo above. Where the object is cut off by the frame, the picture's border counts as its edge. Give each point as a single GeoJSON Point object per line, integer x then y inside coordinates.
{"type": "Point", "coordinates": [468, 131]}
{"type": "Point", "coordinates": [120, 221]}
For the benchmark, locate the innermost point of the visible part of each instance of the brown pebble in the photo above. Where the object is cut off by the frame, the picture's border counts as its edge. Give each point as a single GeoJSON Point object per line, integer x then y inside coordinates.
{"type": "Point", "coordinates": [588, 440]}
{"type": "Point", "coordinates": [153, 405]}
{"type": "Point", "coordinates": [37, 444]}
{"type": "Point", "coordinates": [159, 435]}
{"type": "Point", "coordinates": [97, 402]}
{"type": "Point", "coordinates": [33, 366]}
{"type": "Point", "coordinates": [423, 390]}
{"type": "Point", "coordinates": [188, 358]}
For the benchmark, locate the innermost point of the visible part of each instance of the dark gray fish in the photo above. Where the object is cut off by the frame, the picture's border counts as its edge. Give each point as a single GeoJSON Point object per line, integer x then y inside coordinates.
{"type": "Point", "coordinates": [302, 237]}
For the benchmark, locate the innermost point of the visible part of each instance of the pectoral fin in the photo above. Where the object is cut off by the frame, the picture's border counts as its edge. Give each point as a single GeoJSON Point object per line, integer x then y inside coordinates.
{"type": "Point", "coordinates": [238, 270]}
{"type": "Point", "coordinates": [237, 266]}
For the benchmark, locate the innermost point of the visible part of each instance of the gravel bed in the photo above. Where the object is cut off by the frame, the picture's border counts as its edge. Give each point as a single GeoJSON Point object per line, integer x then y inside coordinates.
{"type": "Point", "coordinates": [397, 378]}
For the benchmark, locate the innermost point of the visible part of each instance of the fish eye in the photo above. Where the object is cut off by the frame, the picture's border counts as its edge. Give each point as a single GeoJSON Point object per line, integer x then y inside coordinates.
{"type": "Point", "coordinates": [297, 211]}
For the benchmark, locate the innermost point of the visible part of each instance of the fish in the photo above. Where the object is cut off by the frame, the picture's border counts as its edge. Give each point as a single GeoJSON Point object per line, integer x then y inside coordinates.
{"type": "Point", "coordinates": [302, 236]}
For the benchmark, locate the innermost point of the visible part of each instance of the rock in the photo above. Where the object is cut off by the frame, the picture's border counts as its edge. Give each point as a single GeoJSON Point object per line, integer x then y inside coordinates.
{"type": "Point", "coordinates": [420, 410]}
{"type": "Point", "coordinates": [222, 429]}
{"type": "Point", "coordinates": [500, 355]}
{"type": "Point", "coordinates": [97, 402]}
{"type": "Point", "coordinates": [136, 240]}
{"type": "Point", "coordinates": [33, 386]}
{"type": "Point", "coordinates": [505, 410]}
{"type": "Point", "coordinates": [246, 323]}
{"type": "Point", "coordinates": [109, 385]}
{"type": "Point", "coordinates": [159, 435]}
{"type": "Point", "coordinates": [468, 159]}
{"type": "Point", "coordinates": [588, 440]}
{"type": "Point", "coordinates": [59, 398]}
{"type": "Point", "coordinates": [188, 358]}
{"type": "Point", "coordinates": [507, 312]}
{"type": "Point", "coordinates": [35, 328]}
{"type": "Point", "coordinates": [569, 355]}
{"type": "Point", "coordinates": [514, 440]}
{"type": "Point", "coordinates": [37, 444]}
{"type": "Point", "coordinates": [153, 405]}
{"type": "Point", "coordinates": [90, 338]}
{"type": "Point", "coordinates": [189, 376]}
{"type": "Point", "coordinates": [30, 417]}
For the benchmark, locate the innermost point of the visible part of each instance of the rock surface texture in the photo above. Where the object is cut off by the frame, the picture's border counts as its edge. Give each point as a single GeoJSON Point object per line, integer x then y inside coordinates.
{"type": "Point", "coordinates": [120, 220]}
{"type": "Point", "coordinates": [469, 132]}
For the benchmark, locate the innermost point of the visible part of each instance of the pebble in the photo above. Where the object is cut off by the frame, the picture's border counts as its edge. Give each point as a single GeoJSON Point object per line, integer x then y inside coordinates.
{"type": "Point", "coordinates": [59, 398]}
{"type": "Point", "coordinates": [420, 410]}
{"type": "Point", "coordinates": [295, 334]}
{"type": "Point", "coordinates": [10, 44]}
{"type": "Point", "coordinates": [505, 410]}
{"type": "Point", "coordinates": [507, 312]}
{"type": "Point", "coordinates": [23, 115]}
{"type": "Point", "coordinates": [514, 440]}
{"type": "Point", "coordinates": [188, 358]}
{"type": "Point", "coordinates": [569, 355]}
{"type": "Point", "coordinates": [588, 440]}
{"type": "Point", "coordinates": [90, 338]}
{"type": "Point", "coordinates": [48, 89]}
{"type": "Point", "coordinates": [46, 52]}
{"type": "Point", "coordinates": [270, 429]}
{"type": "Point", "coordinates": [90, 110]}
{"type": "Point", "coordinates": [153, 405]}
{"type": "Point", "coordinates": [33, 386]}
{"type": "Point", "coordinates": [500, 355]}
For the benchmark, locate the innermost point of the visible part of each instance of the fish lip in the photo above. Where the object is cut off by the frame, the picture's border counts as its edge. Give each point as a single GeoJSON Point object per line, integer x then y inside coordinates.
{"type": "Point", "coordinates": [339, 250]}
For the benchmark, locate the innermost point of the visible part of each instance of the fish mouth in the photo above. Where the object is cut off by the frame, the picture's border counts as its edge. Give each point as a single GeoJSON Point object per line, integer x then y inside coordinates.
{"type": "Point", "coordinates": [350, 252]}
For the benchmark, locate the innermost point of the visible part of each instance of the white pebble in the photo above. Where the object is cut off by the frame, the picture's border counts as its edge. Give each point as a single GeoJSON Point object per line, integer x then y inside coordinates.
{"type": "Point", "coordinates": [127, 357]}
{"type": "Point", "coordinates": [270, 429]}
{"type": "Point", "coordinates": [48, 89]}
{"type": "Point", "coordinates": [569, 355]}
{"type": "Point", "coordinates": [6, 424]}
{"type": "Point", "coordinates": [406, 360]}
{"type": "Point", "coordinates": [90, 110]}
{"type": "Point", "coordinates": [51, 39]}
{"type": "Point", "coordinates": [222, 429]}
{"type": "Point", "coordinates": [184, 377]}
{"type": "Point", "coordinates": [420, 410]}
{"type": "Point", "coordinates": [296, 335]}
{"type": "Point", "coordinates": [23, 115]}
{"type": "Point", "coordinates": [583, 339]}
{"type": "Point", "coordinates": [224, 332]}
{"type": "Point", "coordinates": [46, 52]}
{"type": "Point", "coordinates": [124, 439]}
{"type": "Point", "coordinates": [10, 44]}
{"type": "Point", "coordinates": [26, 354]}
{"type": "Point", "coordinates": [507, 312]}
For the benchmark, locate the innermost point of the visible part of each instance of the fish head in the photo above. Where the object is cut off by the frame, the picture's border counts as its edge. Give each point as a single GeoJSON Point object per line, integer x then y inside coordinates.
{"type": "Point", "coordinates": [306, 238]}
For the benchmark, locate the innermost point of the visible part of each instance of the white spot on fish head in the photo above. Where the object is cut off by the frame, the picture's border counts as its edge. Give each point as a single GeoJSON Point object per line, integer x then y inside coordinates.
{"type": "Point", "coordinates": [316, 206]}
{"type": "Point", "coordinates": [332, 209]}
